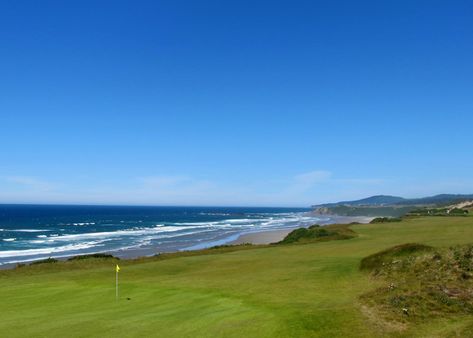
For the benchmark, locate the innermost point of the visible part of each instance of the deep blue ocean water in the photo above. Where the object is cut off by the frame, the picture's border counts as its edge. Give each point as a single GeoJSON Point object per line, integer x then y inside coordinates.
{"type": "Point", "coordinates": [31, 232]}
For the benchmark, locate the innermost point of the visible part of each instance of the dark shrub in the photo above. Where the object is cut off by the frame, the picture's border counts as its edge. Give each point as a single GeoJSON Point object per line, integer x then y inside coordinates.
{"type": "Point", "coordinates": [45, 261]}
{"type": "Point", "coordinates": [96, 255]}
{"type": "Point", "coordinates": [385, 220]}
{"type": "Point", "coordinates": [296, 235]}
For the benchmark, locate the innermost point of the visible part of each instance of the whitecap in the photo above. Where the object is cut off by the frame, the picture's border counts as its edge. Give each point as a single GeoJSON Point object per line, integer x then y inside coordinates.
{"type": "Point", "coordinates": [28, 230]}
{"type": "Point", "coordinates": [139, 232]}
{"type": "Point", "coordinates": [9, 239]}
{"type": "Point", "coordinates": [198, 223]}
{"type": "Point", "coordinates": [82, 223]}
{"type": "Point", "coordinates": [239, 220]}
{"type": "Point", "coordinates": [50, 250]}
{"type": "Point", "coordinates": [213, 214]}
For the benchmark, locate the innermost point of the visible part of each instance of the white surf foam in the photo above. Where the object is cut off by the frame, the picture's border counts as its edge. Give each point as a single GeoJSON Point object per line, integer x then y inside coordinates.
{"type": "Point", "coordinates": [28, 230]}
{"type": "Point", "coordinates": [120, 233]}
{"type": "Point", "coordinates": [46, 251]}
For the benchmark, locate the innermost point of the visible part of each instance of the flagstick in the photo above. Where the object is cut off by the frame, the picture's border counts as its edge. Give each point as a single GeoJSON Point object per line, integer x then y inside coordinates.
{"type": "Point", "coordinates": [116, 285]}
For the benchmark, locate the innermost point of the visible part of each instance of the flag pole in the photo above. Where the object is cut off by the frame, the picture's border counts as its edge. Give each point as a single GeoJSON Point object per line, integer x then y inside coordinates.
{"type": "Point", "coordinates": [116, 284]}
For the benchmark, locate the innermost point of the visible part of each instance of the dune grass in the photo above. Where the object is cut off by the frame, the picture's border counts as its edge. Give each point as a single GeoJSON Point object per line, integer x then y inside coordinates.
{"type": "Point", "coordinates": [316, 233]}
{"type": "Point", "coordinates": [421, 283]}
{"type": "Point", "coordinates": [296, 290]}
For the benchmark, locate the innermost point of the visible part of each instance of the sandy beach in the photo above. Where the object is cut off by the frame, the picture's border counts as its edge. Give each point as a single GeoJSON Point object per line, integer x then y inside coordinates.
{"type": "Point", "coordinates": [264, 237]}
{"type": "Point", "coordinates": [272, 236]}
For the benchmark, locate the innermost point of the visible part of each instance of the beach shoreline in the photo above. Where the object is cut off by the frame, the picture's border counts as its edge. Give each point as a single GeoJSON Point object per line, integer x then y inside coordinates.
{"type": "Point", "coordinates": [261, 237]}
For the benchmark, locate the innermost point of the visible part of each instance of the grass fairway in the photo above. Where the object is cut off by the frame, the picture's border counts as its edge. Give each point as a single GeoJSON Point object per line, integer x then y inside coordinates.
{"type": "Point", "coordinates": [305, 290]}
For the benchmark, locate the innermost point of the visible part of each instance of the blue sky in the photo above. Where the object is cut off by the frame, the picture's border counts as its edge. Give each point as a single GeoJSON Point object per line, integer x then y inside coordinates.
{"type": "Point", "coordinates": [283, 103]}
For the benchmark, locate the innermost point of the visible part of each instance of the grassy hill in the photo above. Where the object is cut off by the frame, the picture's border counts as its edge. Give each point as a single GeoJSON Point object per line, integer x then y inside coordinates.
{"type": "Point", "coordinates": [312, 289]}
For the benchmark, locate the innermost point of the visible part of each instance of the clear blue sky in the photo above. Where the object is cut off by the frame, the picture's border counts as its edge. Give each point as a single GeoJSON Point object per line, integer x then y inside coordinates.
{"type": "Point", "coordinates": [234, 102]}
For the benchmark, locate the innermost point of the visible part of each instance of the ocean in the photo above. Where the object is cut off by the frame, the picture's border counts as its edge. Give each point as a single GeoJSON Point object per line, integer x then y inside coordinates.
{"type": "Point", "coordinates": [33, 232]}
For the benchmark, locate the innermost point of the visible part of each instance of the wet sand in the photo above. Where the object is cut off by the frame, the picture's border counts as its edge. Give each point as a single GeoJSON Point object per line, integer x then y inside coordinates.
{"type": "Point", "coordinates": [264, 237]}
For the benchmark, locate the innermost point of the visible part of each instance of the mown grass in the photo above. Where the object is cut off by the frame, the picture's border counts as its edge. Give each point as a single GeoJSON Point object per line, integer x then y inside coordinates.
{"type": "Point", "coordinates": [310, 290]}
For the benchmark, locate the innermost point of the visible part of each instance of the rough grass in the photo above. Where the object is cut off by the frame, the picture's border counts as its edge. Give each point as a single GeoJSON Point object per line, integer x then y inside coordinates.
{"type": "Point", "coordinates": [379, 260]}
{"type": "Point", "coordinates": [45, 261]}
{"type": "Point", "coordinates": [310, 290]}
{"type": "Point", "coordinates": [421, 283]}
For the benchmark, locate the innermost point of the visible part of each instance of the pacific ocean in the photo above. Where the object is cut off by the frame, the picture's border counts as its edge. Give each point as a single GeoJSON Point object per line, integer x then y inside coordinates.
{"type": "Point", "coordinates": [32, 232]}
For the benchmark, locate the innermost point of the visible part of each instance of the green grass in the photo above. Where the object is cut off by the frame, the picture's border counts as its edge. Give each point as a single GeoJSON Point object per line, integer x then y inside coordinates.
{"type": "Point", "coordinates": [297, 290]}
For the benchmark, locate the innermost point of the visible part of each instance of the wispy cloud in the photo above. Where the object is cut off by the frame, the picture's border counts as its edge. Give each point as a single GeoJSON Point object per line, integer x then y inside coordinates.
{"type": "Point", "coordinates": [174, 189]}
{"type": "Point", "coordinates": [164, 182]}
{"type": "Point", "coordinates": [323, 185]}
{"type": "Point", "coordinates": [303, 189]}
{"type": "Point", "coordinates": [312, 178]}
{"type": "Point", "coordinates": [303, 182]}
{"type": "Point", "coordinates": [30, 182]}
{"type": "Point", "coordinates": [361, 181]}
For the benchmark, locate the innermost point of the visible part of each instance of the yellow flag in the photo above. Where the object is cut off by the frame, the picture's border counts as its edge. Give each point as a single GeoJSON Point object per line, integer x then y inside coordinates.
{"type": "Point", "coordinates": [117, 268]}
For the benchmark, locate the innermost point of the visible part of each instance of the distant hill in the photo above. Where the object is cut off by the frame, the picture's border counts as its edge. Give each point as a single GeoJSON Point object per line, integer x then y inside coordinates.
{"type": "Point", "coordinates": [439, 200]}
{"type": "Point", "coordinates": [386, 200]}
{"type": "Point", "coordinates": [385, 205]}
{"type": "Point", "coordinates": [379, 200]}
